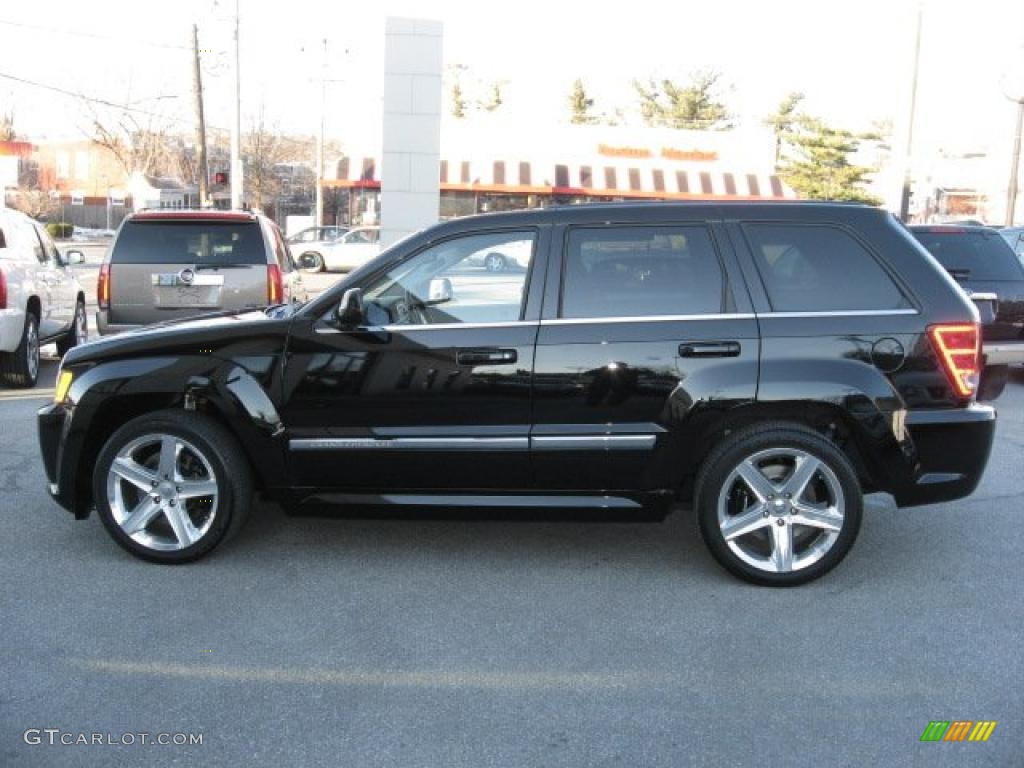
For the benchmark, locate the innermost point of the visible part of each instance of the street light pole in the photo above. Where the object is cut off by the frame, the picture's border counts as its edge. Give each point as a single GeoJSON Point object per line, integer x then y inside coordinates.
{"type": "Point", "coordinates": [905, 195]}
{"type": "Point", "coordinates": [236, 128]}
{"type": "Point", "coordinates": [319, 213]}
{"type": "Point", "coordinates": [1011, 191]}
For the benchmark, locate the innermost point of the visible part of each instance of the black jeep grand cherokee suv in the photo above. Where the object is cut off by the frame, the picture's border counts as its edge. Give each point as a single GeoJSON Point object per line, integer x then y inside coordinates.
{"type": "Point", "coordinates": [769, 362]}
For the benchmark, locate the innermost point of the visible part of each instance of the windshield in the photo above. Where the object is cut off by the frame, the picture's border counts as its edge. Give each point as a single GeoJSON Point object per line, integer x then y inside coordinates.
{"type": "Point", "coordinates": [974, 255]}
{"type": "Point", "coordinates": [201, 243]}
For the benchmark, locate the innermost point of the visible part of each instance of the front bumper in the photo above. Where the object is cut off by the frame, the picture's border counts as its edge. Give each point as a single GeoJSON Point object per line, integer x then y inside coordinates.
{"type": "Point", "coordinates": [53, 422]}
{"type": "Point", "coordinates": [953, 447]}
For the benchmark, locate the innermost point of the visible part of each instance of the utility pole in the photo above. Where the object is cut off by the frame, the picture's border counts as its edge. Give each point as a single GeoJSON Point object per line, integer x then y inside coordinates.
{"type": "Point", "coordinates": [319, 213]}
{"type": "Point", "coordinates": [203, 171]}
{"type": "Point", "coordinates": [1011, 191]}
{"type": "Point", "coordinates": [908, 160]}
{"type": "Point", "coordinates": [236, 129]}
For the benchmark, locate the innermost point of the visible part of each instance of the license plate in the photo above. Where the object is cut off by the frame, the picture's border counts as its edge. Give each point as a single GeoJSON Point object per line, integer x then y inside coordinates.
{"type": "Point", "coordinates": [201, 292]}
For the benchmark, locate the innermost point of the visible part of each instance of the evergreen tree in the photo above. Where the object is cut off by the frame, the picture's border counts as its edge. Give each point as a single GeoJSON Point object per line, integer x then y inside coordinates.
{"type": "Point", "coordinates": [816, 162]}
{"type": "Point", "coordinates": [695, 105]}
{"type": "Point", "coordinates": [783, 120]}
{"type": "Point", "coordinates": [580, 105]}
{"type": "Point", "coordinates": [458, 102]}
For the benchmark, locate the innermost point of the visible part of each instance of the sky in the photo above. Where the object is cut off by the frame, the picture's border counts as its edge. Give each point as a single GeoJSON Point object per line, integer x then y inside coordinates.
{"type": "Point", "coordinates": [851, 59]}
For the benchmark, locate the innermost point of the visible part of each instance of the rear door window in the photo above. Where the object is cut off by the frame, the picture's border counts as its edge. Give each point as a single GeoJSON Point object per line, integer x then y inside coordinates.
{"type": "Point", "coordinates": [820, 268]}
{"type": "Point", "coordinates": [972, 255]}
{"type": "Point", "coordinates": [642, 272]}
{"type": "Point", "coordinates": [190, 242]}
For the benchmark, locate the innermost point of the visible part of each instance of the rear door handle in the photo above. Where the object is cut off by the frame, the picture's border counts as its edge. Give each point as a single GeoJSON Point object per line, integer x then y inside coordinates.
{"type": "Point", "coordinates": [486, 356]}
{"type": "Point", "coordinates": [709, 349]}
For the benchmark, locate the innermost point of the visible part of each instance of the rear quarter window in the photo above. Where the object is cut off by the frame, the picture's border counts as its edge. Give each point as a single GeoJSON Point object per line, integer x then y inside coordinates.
{"type": "Point", "coordinates": [189, 242]}
{"type": "Point", "coordinates": [820, 268]}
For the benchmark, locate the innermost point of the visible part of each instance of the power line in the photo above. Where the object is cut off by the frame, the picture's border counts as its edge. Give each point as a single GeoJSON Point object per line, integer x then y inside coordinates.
{"type": "Point", "coordinates": [106, 38]}
{"type": "Point", "coordinates": [92, 99]}
{"type": "Point", "coordinates": [126, 107]}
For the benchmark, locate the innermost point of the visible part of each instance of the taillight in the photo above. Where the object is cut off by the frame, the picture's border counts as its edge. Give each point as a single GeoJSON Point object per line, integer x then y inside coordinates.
{"type": "Point", "coordinates": [103, 287]}
{"type": "Point", "coordinates": [959, 349]}
{"type": "Point", "coordinates": [275, 284]}
{"type": "Point", "coordinates": [3, 290]}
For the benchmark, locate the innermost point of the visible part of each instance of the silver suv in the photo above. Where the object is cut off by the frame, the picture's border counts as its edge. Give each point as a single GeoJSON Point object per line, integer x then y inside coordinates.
{"type": "Point", "coordinates": [165, 265]}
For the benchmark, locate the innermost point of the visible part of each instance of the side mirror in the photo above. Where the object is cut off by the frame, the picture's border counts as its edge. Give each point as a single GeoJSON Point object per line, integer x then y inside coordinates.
{"type": "Point", "coordinates": [73, 258]}
{"type": "Point", "coordinates": [349, 313]}
{"type": "Point", "coordinates": [440, 291]}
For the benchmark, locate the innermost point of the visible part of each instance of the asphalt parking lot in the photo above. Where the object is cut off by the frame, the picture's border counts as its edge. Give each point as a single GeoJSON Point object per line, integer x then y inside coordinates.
{"type": "Point", "coordinates": [437, 642]}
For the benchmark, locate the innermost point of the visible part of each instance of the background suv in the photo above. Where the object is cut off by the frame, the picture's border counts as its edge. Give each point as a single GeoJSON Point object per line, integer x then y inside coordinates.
{"type": "Point", "coordinates": [166, 265]}
{"type": "Point", "coordinates": [40, 299]}
{"type": "Point", "coordinates": [768, 363]}
{"type": "Point", "coordinates": [981, 260]}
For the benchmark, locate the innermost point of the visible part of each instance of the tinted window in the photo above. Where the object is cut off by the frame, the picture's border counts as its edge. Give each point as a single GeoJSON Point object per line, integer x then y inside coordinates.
{"type": "Point", "coordinates": [820, 268]}
{"type": "Point", "coordinates": [972, 255]}
{"type": "Point", "coordinates": [642, 271]}
{"type": "Point", "coordinates": [451, 283]}
{"type": "Point", "coordinates": [3, 241]}
{"type": "Point", "coordinates": [189, 242]}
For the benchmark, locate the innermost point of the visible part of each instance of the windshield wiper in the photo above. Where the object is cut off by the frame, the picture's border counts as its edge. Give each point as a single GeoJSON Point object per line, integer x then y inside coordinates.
{"type": "Point", "coordinates": [222, 266]}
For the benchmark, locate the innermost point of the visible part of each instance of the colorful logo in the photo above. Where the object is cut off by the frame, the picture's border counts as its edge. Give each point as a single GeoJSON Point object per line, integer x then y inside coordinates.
{"type": "Point", "coordinates": [958, 730]}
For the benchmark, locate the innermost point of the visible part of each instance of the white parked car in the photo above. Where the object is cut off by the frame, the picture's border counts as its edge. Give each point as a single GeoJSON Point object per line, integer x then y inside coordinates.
{"type": "Point", "coordinates": [40, 298]}
{"type": "Point", "coordinates": [349, 251]}
{"type": "Point", "coordinates": [510, 256]}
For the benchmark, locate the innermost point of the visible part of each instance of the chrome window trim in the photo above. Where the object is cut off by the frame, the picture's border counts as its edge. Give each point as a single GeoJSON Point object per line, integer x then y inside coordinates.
{"type": "Point", "coordinates": [433, 327]}
{"type": "Point", "coordinates": [648, 318]}
{"type": "Point", "coordinates": [843, 313]}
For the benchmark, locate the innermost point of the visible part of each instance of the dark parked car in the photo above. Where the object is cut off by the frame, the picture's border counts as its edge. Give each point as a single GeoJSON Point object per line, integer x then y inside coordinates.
{"type": "Point", "coordinates": [169, 264]}
{"type": "Point", "coordinates": [982, 261]}
{"type": "Point", "coordinates": [770, 363]}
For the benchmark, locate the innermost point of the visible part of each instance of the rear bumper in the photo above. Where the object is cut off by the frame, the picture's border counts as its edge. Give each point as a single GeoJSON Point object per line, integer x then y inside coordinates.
{"type": "Point", "coordinates": [1003, 352]}
{"type": "Point", "coordinates": [53, 422]}
{"type": "Point", "coordinates": [953, 447]}
{"type": "Point", "coordinates": [105, 327]}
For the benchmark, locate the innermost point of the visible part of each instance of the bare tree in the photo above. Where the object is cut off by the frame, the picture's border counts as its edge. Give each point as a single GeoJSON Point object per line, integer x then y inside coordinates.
{"type": "Point", "coordinates": [7, 132]}
{"type": "Point", "coordinates": [264, 150]}
{"type": "Point", "coordinates": [137, 140]}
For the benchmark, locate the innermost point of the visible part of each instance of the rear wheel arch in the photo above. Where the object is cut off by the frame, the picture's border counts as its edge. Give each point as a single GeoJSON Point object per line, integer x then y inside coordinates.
{"type": "Point", "coordinates": [827, 419]}
{"type": "Point", "coordinates": [34, 306]}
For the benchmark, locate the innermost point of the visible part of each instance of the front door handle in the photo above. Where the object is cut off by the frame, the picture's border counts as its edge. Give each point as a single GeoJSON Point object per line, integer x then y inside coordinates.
{"type": "Point", "coordinates": [709, 349]}
{"type": "Point", "coordinates": [486, 356]}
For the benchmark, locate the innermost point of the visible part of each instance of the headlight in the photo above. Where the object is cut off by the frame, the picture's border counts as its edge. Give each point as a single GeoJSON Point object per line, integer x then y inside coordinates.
{"type": "Point", "coordinates": [63, 385]}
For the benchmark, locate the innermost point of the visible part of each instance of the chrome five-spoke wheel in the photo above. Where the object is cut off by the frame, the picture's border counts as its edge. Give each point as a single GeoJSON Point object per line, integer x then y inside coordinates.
{"type": "Point", "coordinates": [162, 492]}
{"type": "Point", "coordinates": [171, 485]}
{"type": "Point", "coordinates": [781, 510]}
{"type": "Point", "coordinates": [778, 503]}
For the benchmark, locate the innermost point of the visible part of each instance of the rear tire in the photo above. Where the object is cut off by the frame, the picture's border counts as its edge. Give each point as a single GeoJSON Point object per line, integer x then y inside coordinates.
{"type": "Point", "coordinates": [20, 368]}
{"type": "Point", "coordinates": [495, 262]}
{"type": "Point", "coordinates": [778, 504]}
{"type": "Point", "coordinates": [78, 333]}
{"type": "Point", "coordinates": [180, 487]}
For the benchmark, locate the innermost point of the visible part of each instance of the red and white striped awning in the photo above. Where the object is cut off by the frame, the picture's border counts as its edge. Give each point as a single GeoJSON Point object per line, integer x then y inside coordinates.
{"type": "Point", "coordinates": [606, 179]}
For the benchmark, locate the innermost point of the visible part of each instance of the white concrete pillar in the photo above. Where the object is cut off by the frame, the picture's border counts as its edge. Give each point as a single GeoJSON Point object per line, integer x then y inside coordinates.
{"type": "Point", "coordinates": [410, 170]}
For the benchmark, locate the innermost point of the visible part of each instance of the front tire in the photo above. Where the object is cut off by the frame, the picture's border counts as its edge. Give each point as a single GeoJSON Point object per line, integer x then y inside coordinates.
{"type": "Point", "coordinates": [778, 504]}
{"type": "Point", "coordinates": [20, 368]}
{"type": "Point", "coordinates": [78, 334]}
{"type": "Point", "coordinates": [170, 486]}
